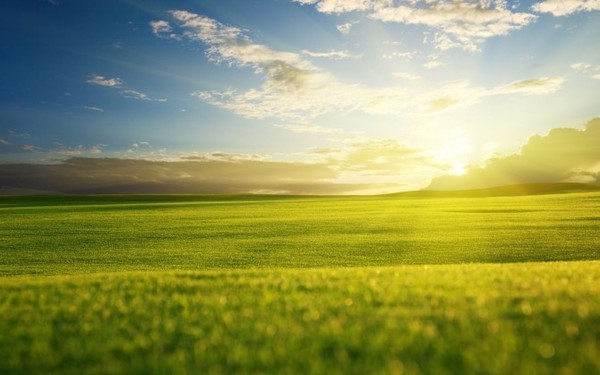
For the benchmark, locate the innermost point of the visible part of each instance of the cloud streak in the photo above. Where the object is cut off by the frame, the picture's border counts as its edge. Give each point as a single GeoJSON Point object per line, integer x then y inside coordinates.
{"type": "Point", "coordinates": [118, 83]}
{"type": "Point", "coordinates": [560, 8]}
{"type": "Point", "coordinates": [91, 108]}
{"type": "Point", "coordinates": [333, 54]}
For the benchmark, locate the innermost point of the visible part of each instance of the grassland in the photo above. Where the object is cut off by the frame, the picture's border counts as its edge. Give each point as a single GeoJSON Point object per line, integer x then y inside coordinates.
{"type": "Point", "coordinates": [251, 284]}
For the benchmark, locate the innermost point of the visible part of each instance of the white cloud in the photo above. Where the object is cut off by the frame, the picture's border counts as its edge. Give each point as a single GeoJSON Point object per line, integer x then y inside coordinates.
{"type": "Point", "coordinates": [587, 69]}
{"type": "Point", "coordinates": [102, 81]}
{"type": "Point", "coordinates": [3, 142]}
{"type": "Point", "coordinates": [338, 6]}
{"type": "Point", "coordinates": [333, 54]}
{"type": "Point", "coordinates": [294, 89]}
{"type": "Point", "coordinates": [163, 29]}
{"type": "Point", "coordinates": [160, 27]}
{"type": "Point", "coordinates": [78, 150]}
{"type": "Point", "coordinates": [461, 24]}
{"type": "Point", "coordinates": [581, 66]}
{"type": "Point", "coordinates": [90, 108]}
{"type": "Point", "coordinates": [97, 149]}
{"type": "Point", "coordinates": [399, 55]}
{"type": "Point", "coordinates": [560, 8]}
{"type": "Point", "coordinates": [345, 28]}
{"type": "Point", "coordinates": [444, 42]}
{"type": "Point", "coordinates": [433, 62]}
{"type": "Point", "coordinates": [141, 144]}
{"type": "Point", "coordinates": [464, 24]}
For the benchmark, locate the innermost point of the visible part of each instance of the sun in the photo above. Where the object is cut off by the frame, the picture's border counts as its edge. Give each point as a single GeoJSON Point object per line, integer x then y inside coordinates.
{"type": "Point", "coordinates": [459, 169]}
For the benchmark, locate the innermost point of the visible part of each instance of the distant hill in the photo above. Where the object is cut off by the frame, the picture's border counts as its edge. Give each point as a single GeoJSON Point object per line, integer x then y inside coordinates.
{"type": "Point", "coordinates": [509, 190]}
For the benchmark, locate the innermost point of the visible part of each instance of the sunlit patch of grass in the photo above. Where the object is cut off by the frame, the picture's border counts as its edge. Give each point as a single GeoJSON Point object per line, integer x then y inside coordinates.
{"type": "Point", "coordinates": [72, 235]}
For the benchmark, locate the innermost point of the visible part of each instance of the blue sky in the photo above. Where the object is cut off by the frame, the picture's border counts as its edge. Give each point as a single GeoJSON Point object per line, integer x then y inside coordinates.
{"type": "Point", "coordinates": [355, 83]}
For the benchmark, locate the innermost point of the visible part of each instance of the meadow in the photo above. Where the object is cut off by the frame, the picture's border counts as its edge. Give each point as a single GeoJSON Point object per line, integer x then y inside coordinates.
{"type": "Point", "coordinates": [276, 284]}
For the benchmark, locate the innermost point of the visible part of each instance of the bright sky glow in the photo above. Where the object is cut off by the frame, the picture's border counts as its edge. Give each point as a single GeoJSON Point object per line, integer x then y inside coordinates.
{"type": "Point", "coordinates": [362, 96]}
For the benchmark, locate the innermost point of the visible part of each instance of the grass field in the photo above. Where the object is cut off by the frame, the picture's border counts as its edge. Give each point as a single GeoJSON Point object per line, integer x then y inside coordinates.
{"type": "Point", "coordinates": [275, 284]}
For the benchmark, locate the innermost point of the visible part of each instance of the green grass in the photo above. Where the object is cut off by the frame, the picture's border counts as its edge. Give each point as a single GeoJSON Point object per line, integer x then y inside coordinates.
{"type": "Point", "coordinates": [255, 284]}
{"type": "Point", "coordinates": [72, 235]}
{"type": "Point", "coordinates": [437, 319]}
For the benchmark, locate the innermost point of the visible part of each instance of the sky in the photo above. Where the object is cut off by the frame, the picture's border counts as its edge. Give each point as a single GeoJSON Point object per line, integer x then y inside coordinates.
{"type": "Point", "coordinates": [297, 96]}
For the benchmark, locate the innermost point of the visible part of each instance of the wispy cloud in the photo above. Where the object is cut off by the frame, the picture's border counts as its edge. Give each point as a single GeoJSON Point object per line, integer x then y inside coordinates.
{"type": "Point", "coordinates": [333, 54]}
{"type": "Point", "coordinates": [66, 150]}
{"type": "Point", "coordinates": [29, 148]}
{"type": "Point", "coordinates": [15, 134]}
{"type": "Point", "coordinates": [103, 81]}
{"type": "Point", "coordinates": [588, 69]}
{"type": "Point", "coordinates": [118, 83]}
{"type": "Point", "coordinates": [433, 63]}
{"type": "Point", "coordinates": [346, 27]}
{"type": "Point", "coordinates": [139, 146]}
{"type": "Point", "coordinates": [543, 85]}
{"type": "Point", "coordinates": [399, 55]}
{"type": "Point", "coordinates": [559, 8]}
{"type": "Point", "coordinates": [135, 94]}
{"type": "Point", "coordinates": [163, 29]}
{"type": "Point", "coordinates": [294, 89]}
{"type": "Point", "coordinates": [91, 108]}
{"type": "Point", "coordinates": [4, 142]}
{"type": "Point", "coordinates": [78, 150]}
